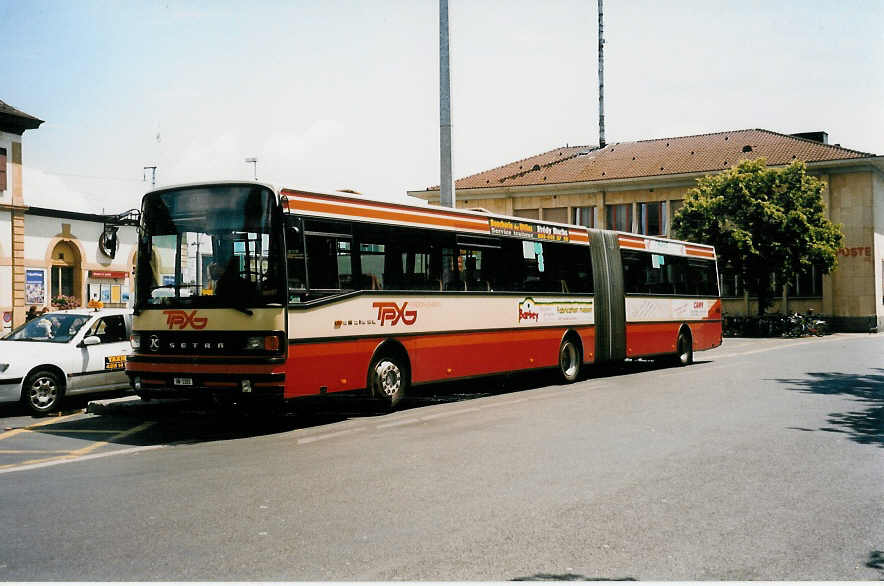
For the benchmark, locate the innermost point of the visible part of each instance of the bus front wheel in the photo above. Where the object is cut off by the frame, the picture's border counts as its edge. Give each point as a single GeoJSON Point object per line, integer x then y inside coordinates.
{"type": "Point", "coordinates": [388, 380]}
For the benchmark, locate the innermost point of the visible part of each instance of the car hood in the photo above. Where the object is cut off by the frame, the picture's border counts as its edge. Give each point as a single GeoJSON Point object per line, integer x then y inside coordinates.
{"type": "Point", "coordinates": [13, 351]}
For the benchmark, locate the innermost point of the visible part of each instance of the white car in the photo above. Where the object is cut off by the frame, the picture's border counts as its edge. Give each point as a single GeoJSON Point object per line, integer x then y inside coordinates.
{"type": "Point", "coordinates": [65, 353]}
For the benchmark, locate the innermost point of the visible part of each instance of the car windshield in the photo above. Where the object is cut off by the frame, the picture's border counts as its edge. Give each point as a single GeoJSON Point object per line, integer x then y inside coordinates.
{"type": "Point", "coordinates": [50, 327]}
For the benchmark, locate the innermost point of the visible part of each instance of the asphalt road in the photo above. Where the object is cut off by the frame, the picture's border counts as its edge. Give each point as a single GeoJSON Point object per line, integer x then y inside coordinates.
{"type": "Point", "coordinates": [763, 461]}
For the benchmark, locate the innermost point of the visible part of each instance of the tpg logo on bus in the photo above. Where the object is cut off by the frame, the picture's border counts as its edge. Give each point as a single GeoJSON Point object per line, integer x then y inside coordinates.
{"type": "Point", "coordinates": [389, 311]}
{"type": "Point", "coordinates": [182, 319]}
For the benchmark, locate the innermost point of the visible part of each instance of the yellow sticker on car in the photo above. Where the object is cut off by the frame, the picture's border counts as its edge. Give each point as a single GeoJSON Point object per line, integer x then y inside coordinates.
{"type": "Point", "coordinates": [115, 362]}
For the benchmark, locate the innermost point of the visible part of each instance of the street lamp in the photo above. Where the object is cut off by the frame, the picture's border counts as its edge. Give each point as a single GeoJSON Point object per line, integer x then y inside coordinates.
{"type": "Point", "coordinates": [254, 162]}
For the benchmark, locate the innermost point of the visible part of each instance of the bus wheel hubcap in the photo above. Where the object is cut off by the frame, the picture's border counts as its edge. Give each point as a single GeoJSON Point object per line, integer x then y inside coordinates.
{"type": "Point", "coordinates": [568, 360]}
{"type": "Point", "coordinates": [389, 378]}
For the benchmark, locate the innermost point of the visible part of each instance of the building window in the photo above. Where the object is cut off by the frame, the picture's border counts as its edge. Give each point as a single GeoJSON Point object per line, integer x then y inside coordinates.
{"type": "Point", "coordinates": [652, 218]}
{"type": "Point", "coordinates": [2, 169]}
{"type": "Point", "coordinates": [556, 215]}
{"type": "Point", "coordinates": [731, 284]}
{"type": "Point", "coordinates": [62, 281]}
{"type": "Point", "coordinates": [585, 216]}
{"type": "Point", "coordinates": [619, 217]}
{"type": "Point", "coordinates": [675, 205]}
{"type": "Point", "coordinates": [532, 213]}
{"type": "Point", "coordinates": [808, 284]}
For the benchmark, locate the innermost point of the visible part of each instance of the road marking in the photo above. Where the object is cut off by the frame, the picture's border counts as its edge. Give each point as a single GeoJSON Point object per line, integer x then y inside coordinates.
{"type": "Point", "coordinates": [19, 430]}
{"type": "Point", "coordinates": [505, 403]}
{"type": "Point", "coordinates": [79, 453]}
{"type": "Point", "coordinates": [316, 438]}
{"type": "Point", "coordinates": [83, 431]}
{"type": "Point", "coordinates": [34, 451]}
{"type": "Point", "coordinates": [448, 414]}
{"type": "Point", "coordinates": [119, 436]}
{"type": "Point", "coordinates": [397, 423]}
{"type": "Point", "coordinates": [65, 460]}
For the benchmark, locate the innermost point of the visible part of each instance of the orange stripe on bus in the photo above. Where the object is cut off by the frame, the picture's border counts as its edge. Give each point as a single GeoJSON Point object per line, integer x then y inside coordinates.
{"type": "Point", "coordinates": [395, 215]}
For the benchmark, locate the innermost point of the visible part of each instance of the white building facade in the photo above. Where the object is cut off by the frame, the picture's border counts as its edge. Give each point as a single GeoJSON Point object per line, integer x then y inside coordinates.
{"type": "Point", "coordinates": [47, 253]}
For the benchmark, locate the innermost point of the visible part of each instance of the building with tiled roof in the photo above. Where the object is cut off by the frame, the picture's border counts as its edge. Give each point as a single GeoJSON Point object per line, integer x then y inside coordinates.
{"type": "Point", "coordinates": [636, 186]}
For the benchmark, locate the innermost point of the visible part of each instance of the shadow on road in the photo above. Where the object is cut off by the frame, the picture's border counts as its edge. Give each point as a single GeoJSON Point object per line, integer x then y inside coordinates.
{"type": "Point", "coordinates": [187, 422]}
{"type": "Point", "coordinates": [864, 427]}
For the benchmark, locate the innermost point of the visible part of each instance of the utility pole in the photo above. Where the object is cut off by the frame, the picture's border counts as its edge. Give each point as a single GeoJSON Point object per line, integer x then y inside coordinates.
{"type": "Point", "coordinates": [446, 182]}
{"type": "Point", "coordinates": [153, 175]}
{"type": "Point", "coordinates": [601, 78]}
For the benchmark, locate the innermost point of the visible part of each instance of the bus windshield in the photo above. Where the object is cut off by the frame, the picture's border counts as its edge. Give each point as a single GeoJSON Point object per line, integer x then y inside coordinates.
{"type": "Point", "coordinates": [210, 246]}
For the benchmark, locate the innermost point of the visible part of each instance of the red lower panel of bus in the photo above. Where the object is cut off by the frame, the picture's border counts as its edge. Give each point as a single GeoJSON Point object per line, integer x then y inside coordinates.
{"type": "Point", "coordinates": [648, 339]}
{"type": "Point", "coordinates": [707, 334]}
{"type": "Point", "coordinates": [343, 365]}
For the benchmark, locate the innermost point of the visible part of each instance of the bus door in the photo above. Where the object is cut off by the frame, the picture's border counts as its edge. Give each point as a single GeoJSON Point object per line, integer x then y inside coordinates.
{"type": "Point", "coordinates": [610, 305]}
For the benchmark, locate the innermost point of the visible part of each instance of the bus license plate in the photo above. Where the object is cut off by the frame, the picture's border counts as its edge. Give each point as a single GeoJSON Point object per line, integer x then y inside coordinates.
{"type": "Point", "coordinates": [182, 381]}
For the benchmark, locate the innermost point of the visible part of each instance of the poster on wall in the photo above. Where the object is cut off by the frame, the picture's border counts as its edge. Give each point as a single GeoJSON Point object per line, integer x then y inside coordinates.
{"type": "Point", "coordinates": [124, 294]}
{"type": "Point", "coordinates": [105, 293]}
{"type": "Point", "coordinates": [35, 287]}
{"type": "Point", "coordinates": [94, 292]}
{"type": "Point", "coordinates": [115, 294]}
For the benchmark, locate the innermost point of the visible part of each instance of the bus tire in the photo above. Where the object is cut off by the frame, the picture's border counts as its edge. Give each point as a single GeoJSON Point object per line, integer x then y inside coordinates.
{"type": "Point", "coordinates": [684, 354]}
{"type": "Point", "coordinates": [388, 380]}
{"type": "Point", "coordinates": [569, 360]}
{"type": "Point", "coordinates": [42, 392]}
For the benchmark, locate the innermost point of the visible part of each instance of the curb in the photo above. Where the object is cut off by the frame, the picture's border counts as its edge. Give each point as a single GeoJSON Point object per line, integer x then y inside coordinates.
{"type": "Point", "coordinates": [133, 405]}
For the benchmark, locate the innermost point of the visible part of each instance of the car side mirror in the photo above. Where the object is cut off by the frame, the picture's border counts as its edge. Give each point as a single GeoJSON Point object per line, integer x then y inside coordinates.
{"type": "Point", "coordinates": [91, 340]}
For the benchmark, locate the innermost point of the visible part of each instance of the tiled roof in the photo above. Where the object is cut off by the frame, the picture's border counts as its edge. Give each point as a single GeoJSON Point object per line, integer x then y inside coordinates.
{"type": "Point", "coordinates": [648, 158]}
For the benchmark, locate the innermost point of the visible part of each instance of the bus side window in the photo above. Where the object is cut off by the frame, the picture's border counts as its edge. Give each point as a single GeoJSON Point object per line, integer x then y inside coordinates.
{"type": "Point", "coordinates": [329, 262]}
{"type": "Point", "coordinates": [297, 272]}
{"type": "Point", "coordinates": [634, 265]}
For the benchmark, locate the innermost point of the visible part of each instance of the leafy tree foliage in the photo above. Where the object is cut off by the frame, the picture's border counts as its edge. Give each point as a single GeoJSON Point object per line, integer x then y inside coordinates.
{"type": "Point", "coordinates": [762, 222]}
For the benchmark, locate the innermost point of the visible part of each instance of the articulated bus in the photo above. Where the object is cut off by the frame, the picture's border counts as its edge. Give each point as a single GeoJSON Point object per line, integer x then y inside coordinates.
{"type": "Point", "coordinates": [243, 293]}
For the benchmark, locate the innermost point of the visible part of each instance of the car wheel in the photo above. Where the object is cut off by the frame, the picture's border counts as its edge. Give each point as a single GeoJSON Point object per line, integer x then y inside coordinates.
{"type": "Point", "coordinates": [43, 392]}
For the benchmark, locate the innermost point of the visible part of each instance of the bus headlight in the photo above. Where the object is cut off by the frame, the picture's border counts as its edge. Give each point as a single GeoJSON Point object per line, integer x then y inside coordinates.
{"type": "Point", "coordinates": [270, 343]}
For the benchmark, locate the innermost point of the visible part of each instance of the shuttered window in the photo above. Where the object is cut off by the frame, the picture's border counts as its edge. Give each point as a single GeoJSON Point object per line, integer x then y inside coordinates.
{"type": "Point", "coordinates": [2, 169]}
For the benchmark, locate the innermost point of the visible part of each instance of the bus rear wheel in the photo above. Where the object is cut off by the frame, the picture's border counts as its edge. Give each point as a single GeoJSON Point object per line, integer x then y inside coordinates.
{"type": "Point", "coordinates": [569, 360]}
{"type": "Point", "coordinates": [388, 380]}
{"type": "Point", "coordinates": [685, 350]}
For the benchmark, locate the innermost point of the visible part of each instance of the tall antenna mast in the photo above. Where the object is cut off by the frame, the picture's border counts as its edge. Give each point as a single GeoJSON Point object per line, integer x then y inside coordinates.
{"type": "Point", "coordinates": [601, 78]}
{"type": "Point", "coordinates": [446, 182]}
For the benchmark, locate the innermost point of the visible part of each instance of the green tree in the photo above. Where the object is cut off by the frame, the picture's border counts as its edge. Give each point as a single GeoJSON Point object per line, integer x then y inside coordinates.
{"type": "Point", "coordinates": [762, 222]}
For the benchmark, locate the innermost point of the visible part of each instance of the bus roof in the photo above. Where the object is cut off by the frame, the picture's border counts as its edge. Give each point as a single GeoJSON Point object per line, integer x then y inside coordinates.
{"type": "Point", "coordinates": [351, 207]}
{"type": "Point", "coordinates": [354, 207]}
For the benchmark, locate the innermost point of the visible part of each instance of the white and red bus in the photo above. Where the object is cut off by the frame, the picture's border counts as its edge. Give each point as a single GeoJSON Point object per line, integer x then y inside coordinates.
{"type": "Point", "coordinates": [243, 292]}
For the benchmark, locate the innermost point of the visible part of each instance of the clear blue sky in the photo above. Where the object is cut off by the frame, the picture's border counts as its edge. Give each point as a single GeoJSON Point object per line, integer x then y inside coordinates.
{"type": "Point", "coordinates": [343, 94]}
